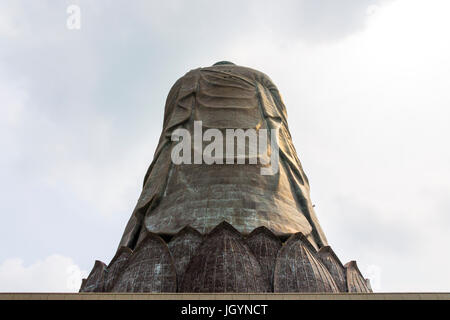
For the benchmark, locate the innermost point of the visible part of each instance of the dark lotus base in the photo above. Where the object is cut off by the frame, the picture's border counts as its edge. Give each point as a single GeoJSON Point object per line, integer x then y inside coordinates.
{"type": "Point", "coordinates": [225, 261]}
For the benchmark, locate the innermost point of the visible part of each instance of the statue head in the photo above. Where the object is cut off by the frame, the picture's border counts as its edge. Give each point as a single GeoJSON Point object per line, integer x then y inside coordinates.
{"type": "Point", "coordinates": [220, 63]}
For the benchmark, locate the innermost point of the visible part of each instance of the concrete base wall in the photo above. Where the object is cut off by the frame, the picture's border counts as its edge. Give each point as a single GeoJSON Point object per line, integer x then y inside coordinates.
{"type": "Point", "coordinates": [224, 296]}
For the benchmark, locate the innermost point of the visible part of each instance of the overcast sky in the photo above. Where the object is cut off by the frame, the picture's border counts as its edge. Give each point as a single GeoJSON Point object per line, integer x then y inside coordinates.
{"type": "Point", "coordinates": [365, 83]}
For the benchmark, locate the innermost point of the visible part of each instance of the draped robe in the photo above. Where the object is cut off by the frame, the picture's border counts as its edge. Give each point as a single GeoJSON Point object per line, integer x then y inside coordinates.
{"type": "Point", "coordinates": [201, 195]}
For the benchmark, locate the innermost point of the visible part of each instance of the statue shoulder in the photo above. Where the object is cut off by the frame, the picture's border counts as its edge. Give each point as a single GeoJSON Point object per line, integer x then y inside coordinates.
{"type": "Point", "coordinates": [262, 78]}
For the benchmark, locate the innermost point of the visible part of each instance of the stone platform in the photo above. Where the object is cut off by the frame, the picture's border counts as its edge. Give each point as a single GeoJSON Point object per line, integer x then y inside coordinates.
{"type": "Point", "coordinates": [225, 296]}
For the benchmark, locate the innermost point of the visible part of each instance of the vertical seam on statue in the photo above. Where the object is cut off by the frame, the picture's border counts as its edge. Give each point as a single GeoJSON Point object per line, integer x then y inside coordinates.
{"type": "Point", "coordinates": [324, 281]}
{"type": "Point", "coordinates": [251, 278]}
{"type": "Point", "coordinates": [305, 271]}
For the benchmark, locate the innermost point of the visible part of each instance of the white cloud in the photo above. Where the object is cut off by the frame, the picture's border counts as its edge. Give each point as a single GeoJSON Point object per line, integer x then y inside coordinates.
{"type": "Point", "coordinates": [56, 273]}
